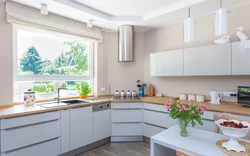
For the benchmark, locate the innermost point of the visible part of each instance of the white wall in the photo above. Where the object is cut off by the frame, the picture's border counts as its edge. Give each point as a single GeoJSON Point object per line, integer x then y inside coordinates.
{"type": "Point", "coordinates": [6, 77]}
{"type": "Point", "coordinates": [123, 75]}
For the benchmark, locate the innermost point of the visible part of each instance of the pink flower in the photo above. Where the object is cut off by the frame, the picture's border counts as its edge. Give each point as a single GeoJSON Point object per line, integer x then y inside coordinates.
{"type": "Point", "coordinates": [180, 110]}
{"type": "Point", "coordinates": [178, 106]}
{"type": "Point", "coordinates": [181, 102]}
{"type": "Point", "coordinates": [170, 109]}
{"type": "Point", "coordinates": [199, 115]}
{"type": "Point", "coordinates": [192, 112]}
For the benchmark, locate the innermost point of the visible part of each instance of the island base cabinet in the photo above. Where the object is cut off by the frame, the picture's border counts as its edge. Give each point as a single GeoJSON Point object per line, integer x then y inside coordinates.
{"type": "Point", "coordinates": [151, 130]}
{"type": "Point", "coordinates": [80, 127]}
{"type": "Point", "coordinates": [126, 129]}
{"type": "Point", "coordinates": [207, 126]}
{"type": "Point", "coordinates": [48, 148]}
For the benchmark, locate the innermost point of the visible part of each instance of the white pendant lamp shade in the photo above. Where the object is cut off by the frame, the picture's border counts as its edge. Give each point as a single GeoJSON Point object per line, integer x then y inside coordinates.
{"type": "Point", "coordinates": [44, 9]}
{"type": "Point", "coordinates": [189, 30]}
{"type": "Point", "coordinates": [220, 22]}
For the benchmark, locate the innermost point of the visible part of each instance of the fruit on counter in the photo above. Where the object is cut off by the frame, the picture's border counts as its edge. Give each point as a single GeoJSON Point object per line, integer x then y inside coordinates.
{"type": "Point", "coordinates": [233, 124]}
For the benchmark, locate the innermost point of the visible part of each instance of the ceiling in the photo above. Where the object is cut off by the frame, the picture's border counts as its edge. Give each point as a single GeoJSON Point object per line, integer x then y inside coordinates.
{"type": "Point", "coordinates": [143, 14]}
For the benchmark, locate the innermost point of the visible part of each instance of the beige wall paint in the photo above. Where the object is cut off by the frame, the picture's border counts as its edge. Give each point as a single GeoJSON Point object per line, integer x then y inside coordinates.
{"type": "Point", "coordinates": [171, 37]}
{"type": "Point", "coordinates": [123, 76]}
{"type": "Point", "coordinates": [5, 58]}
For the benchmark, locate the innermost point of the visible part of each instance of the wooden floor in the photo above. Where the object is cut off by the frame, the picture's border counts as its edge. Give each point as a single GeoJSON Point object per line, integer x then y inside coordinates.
{"type": "Point", "coordinates": [121, 149]}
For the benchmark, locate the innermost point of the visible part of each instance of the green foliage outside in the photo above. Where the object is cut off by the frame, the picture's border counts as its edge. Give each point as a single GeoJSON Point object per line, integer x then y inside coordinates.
{"type": "Point", "coordinates": [72, 62]}
{"type": "Point", "coordinates": [43, 87]}
{"type": "Point", "coordinates": [83, 88]}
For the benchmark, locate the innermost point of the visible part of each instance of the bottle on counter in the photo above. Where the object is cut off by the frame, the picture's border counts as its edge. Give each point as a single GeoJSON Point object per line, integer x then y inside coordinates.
{"type": "Point", "coordinates": [116, 94]}
{"type": "Point", "coordinates": [128, 94]}
{"type": "Point", "coordinates": [134, 94]}
{"type": "Point", "coordinates": [122, 94]}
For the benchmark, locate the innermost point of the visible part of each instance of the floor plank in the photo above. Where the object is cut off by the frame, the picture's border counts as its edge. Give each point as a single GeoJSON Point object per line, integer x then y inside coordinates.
{"type": "Point", "coordinates": [120, 149]}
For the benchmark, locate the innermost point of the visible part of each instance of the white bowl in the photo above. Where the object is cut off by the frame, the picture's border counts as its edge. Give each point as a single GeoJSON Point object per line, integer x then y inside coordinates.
{"type": "Point", "coordinates": [233, 133]}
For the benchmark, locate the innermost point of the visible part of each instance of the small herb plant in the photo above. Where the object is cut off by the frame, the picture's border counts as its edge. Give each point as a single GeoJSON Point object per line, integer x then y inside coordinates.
{"type": "Point", "coordinates": [186, 111]}
{"type": "Point", "coordinates": [83, 88]}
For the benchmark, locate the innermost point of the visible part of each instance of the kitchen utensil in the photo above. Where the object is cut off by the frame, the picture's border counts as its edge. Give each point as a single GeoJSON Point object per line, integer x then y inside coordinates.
{"type": "Point", "coordinates": [215, 97]}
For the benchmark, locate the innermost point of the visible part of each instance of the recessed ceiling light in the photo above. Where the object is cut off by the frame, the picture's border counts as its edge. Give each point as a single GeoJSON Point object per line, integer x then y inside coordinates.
{"type": "Point", "coordinates": [44, 9]}
{"type": "Point", "coordinates": [90, 23]}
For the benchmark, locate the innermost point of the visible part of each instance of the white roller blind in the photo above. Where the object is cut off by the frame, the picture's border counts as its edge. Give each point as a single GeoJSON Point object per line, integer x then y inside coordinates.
{"type": "Point", "coordinates": [25, 15]}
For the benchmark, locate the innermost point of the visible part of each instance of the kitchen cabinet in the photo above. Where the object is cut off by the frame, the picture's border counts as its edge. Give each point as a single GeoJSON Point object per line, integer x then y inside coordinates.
{"type": "Point", "coordinates": [151, 130]}
{"type": "Point", "coordinates": [126, 121]}
{"type": "Point", "coordinates": [65, 130]}
{"type": "Point", "coordinates": [169, 63]}
{"type": "Point", "coordinates": [208, 60]}
{"type": "Point", "coordinates": [81, 131]}
{"type": "Point", "coordinates": [20, 135]}
{"type": "Point", "coordinates": [101, 125]}
{"type": "Point", "coordinates": [240, 58]}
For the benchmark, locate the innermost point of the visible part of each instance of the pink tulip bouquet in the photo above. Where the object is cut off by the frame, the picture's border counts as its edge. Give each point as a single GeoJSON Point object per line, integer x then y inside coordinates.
{"type": "Point", "coordinates": [185, 112]}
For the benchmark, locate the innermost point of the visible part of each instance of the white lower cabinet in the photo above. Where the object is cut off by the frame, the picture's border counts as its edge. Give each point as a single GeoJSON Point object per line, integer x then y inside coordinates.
{"type": "Point", "coordinates": [49, 148]}
{"type": "Point", "coordinates": [81, 131]}
{"type": "Point", "coordinates": [126, 129]}
{"type": "Point", "coordinates": [151, 130]}
{"type": "Point", "coordinates": [126, 120]}
{"type": "Point", "coordinates": [65, 136]}
{"type": "Point", "coordinates": [37, 134]}
{"type": "Point", "coordinates": [101, 125]}
{"type": "Point", "coordinates": [208, 125]}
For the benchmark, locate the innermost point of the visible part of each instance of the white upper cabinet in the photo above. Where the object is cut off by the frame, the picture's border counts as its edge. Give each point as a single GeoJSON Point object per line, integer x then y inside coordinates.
{"type": "Point", "coordinates": [208, 60]}
{"type": "Point", "coordinates": [168, 63]}
{"type": "Point", "coordinates": [240, 58]}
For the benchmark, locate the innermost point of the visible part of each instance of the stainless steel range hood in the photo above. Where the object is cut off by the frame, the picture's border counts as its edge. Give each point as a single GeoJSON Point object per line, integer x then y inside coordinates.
{"type": "Point", "coordinates": [126, 43]}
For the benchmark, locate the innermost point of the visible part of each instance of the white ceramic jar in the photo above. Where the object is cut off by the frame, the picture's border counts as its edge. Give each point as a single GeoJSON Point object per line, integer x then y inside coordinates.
{"type": "Point", "coordinates": [29, 98]}
{"type": "Point", "coordinates": [200, 98]}
{"type": "Point", "coordinates": [128, 94]}
{"type": "Point", "coordinates": [183, 97]}
{"type": "Point", "coordinates": [122, 94]}
{"type": "Point", "coordinates": [116, 94]}
{"type": "Point", "coordinates": [191, 97]}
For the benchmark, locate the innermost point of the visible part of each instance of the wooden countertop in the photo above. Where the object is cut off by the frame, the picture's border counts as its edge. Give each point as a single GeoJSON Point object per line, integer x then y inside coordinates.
{"type": "Point", "coordinates": [20, 110]}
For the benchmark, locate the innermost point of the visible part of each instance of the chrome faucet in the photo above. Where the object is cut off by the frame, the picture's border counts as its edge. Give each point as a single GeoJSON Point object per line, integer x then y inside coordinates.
{"type": "Point", "coordinates": [58, 94]}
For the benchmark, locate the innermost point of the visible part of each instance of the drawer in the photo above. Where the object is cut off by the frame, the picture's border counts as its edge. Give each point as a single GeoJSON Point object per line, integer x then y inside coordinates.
{"type": "Point", "coordinates": [155, 107]}
{"type": "Point", "coordinates": [121, 105]}
{"type": "Point", "coordinates": [207, 126]}
{"type": "Point", "coordinates": [209, 115]}
{"type": "Point", "coordinates": [240, 116]}
{"type": "Point", "coordinates": [24, 136]}
{"type": "Point", "coordinates": [49, 148]}
{"type": "Point", "coordinates": [158, 118]}
{"type": "Point", "coordinates": [130, 115]}
{"type": "Point", "coordinates": [126, 129]}
{"type": "Point", "coordinates": [150, 130]}
{"type": "Point", "coordinates": [29, 119]}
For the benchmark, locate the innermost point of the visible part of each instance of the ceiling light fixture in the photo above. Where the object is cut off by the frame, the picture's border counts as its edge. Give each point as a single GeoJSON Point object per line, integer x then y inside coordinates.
{"type": "Point", "coordinates": [189, 27]}
{"type": "Point", "coordinates": [220, 23]}
{"type": "Point", "coordinates": [90, 23]}
{"type": "Point", "coordinates": [44, 9]}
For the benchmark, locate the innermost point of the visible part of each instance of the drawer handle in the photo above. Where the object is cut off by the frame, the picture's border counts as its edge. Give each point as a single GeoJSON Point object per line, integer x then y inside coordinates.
{"type": "Point", "coordinates": [12, 128]}
{"type": "Point", "coordinates": [154, 125]}
{"type": "Point", "coordinates": [30, 145]}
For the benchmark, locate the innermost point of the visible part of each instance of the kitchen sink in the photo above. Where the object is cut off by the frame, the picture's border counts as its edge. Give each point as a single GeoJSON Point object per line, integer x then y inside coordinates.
{"type": "Point", "coordinates": [52, 104]}
{"type": "Point", "coordinates": [76, 101]}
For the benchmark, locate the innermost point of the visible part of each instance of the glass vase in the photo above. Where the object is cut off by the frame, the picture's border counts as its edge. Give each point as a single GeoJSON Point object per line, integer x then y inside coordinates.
{"type": "Point", "coordinates": [183, 126]}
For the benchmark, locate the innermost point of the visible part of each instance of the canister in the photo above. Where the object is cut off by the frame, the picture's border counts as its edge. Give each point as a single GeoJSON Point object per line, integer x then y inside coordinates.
{"type": "Point", "coordinates": [191, 97]}
{"type": "Point", "coordinates": [29, 98]}
{"type": "Point", "coordinates": [200, 98]}
{"type": "Point", "coordinates": [183, 97]}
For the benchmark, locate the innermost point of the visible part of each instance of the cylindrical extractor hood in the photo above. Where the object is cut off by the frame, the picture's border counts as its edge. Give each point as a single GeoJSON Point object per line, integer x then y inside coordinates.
{"type": "Point", "coordinates": [126, 43]}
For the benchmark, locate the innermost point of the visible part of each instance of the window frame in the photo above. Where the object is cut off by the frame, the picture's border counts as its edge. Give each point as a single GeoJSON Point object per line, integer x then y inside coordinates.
{"type": "Point", "coordinates": [39, 77]}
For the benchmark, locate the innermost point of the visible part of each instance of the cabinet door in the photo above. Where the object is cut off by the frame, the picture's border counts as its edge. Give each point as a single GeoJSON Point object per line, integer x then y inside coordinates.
{"type": "Point", "coordinates": [101, 125]}
{"type": "Point", "coordinates": [240, 58]}
{"type": "Point", "coordinates": [168, 63]}
{"type": "Point", "coordinates": [151, 130]}
{"type": "Point", "coordinates": [80, 127]}
{"type": "Point", "coordinates": [65, 136]}
{"type": "Point", "coordinates": [208, 60]}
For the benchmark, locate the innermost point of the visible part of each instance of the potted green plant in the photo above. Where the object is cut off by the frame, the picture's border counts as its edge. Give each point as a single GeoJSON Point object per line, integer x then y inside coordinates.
{"type": "Point", "coordinates": [83, 89]}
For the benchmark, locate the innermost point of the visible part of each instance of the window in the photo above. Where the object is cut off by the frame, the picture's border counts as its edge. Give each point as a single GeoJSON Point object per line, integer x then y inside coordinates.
{"type": "Point", "coordinates": [45, 61]}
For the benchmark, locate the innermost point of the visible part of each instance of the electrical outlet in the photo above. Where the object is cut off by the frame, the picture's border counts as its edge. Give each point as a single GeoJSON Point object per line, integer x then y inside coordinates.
{"type": "Point", "coordinates": [227, 93]}
{"type": "Point", "coordinates": [103, 89]}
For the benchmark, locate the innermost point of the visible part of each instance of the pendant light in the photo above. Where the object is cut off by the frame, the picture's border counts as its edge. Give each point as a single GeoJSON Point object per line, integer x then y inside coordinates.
{"type": "Point", "coordinates": [220, 23]}
{"type": "Point", "coordinates": [189, 27]}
